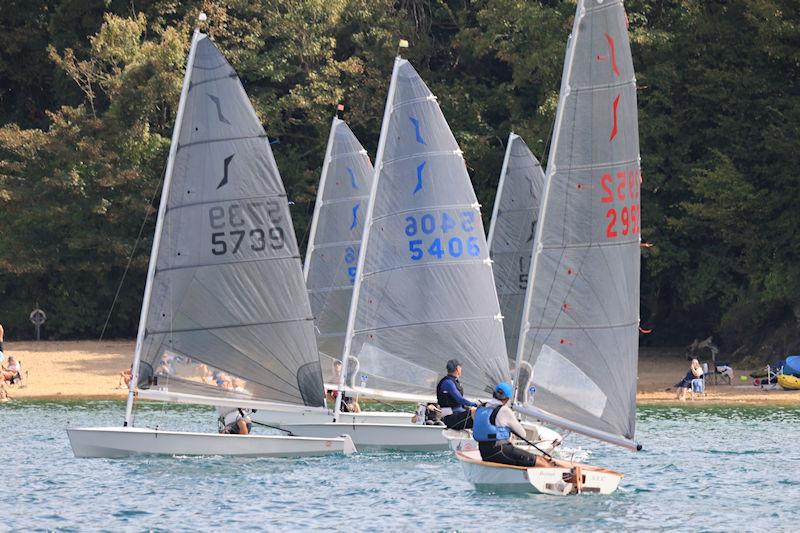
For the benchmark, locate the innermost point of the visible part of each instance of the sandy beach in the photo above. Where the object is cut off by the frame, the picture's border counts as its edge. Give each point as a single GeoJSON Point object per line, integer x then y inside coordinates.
{"type": "Point", "coordinates": [90, 370]}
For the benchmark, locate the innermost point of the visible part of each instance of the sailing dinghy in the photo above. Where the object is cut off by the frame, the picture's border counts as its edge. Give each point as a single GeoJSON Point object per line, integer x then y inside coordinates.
{"type": "Point", "coordinates": [225, 319]}
{"type": "Point", "coordinates": [424, 290]}
{"type": "Point", "coordinates": [578, 345]}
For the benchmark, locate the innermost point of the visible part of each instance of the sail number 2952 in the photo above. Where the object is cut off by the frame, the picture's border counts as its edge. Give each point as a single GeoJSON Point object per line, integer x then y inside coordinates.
{"type": "Point", "coordinates": [437, 236]}
{"type": "Point", "coordinates": [622, 190]}
{"type": "Point", "coordinates": [250, 226]}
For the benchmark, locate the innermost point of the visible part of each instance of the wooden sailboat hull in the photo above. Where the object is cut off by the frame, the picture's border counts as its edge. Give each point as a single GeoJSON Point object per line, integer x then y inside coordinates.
{"type": "Point", "coordinates": [117, 442]}
{"type": "Point", "coordinates": [368, 435]}
{"type": "Point", "coordinates": [545, 480]}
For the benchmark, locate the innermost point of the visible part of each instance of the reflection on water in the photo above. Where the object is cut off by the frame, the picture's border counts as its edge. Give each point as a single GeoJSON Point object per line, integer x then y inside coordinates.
{"type": "Point", "coordinates": [702, 469]}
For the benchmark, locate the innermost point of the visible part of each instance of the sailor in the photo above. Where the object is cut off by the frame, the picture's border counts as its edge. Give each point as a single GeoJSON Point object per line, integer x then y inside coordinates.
{"type": "Point", "coordinates": [494, 424]}
{"type": "Point", "coordinates": [450, 396]}
{"type": "Point", "coordinates": [236, 422]}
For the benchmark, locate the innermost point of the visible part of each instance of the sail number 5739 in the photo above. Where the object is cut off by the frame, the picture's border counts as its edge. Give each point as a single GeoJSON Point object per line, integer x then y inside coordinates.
{"type": "Point", "coordinates": [250, 225]}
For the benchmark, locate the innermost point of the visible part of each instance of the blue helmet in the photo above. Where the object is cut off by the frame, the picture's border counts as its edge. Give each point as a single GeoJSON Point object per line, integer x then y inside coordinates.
{"type": "Point", "coordinates": [503, 391]}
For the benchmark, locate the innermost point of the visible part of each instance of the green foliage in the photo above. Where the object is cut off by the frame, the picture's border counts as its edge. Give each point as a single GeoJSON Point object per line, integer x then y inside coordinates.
{"type": "Point", "coordinates": [88, 92]}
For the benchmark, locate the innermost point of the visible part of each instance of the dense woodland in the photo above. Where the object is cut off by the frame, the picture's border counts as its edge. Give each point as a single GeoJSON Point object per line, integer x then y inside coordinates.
{"type": "Point", "coordinates": [89, 90]}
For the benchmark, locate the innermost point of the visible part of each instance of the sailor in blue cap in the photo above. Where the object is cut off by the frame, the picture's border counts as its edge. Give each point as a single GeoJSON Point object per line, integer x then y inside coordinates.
{"type": "Point", "coordinates": [494, 424]}
{"type": "Point", "coordinates": [456, 409]}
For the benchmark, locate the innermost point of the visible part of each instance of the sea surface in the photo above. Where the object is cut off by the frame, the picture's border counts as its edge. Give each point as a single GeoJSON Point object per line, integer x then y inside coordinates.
{"type": "Point", "coordinates": [702, 469]}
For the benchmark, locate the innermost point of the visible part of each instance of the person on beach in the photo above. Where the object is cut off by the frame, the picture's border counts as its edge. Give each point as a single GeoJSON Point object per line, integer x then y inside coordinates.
{"type": "Point", "coordinates": [236, 422]}
{"type": "Point", "coordinates": [11, 373]}
{"type": "Point", "coordinates": [125, 376]}
{"type": "Point", "coordinates": [456, 410]}
{"type": "Point", "coordinates": [4, 397]}
{"type": "Point", "coordinates": [494, 424]}
{"type": "Point", "coordinates": [695, 372]}
{"type": "Point", "coordinates": [2, 335]}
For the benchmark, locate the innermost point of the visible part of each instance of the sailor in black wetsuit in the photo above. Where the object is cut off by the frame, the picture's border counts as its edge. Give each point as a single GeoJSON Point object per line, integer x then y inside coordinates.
{"type": "Point", "coordinates": [450, 397]}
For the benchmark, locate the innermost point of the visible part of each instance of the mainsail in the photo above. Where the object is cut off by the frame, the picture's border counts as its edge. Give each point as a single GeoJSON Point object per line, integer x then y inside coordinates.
{"type": "Point", "coordinates": [335, 239]}
{"type": "Point", "coordinates": [226, 311]}
{"type": "Point", "coordinates": [512, 231]}
{"type": "Point", "coordinates": [424, 291]}
{"type": "Point", "coordinates": [580, 323]}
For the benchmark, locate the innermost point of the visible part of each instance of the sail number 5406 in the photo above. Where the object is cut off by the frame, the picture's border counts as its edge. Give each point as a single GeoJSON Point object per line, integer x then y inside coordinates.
{"type": "Point", "coordinates": [438, 247]}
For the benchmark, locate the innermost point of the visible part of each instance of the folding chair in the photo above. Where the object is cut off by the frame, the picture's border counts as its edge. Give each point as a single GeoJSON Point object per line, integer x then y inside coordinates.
{"type": "Point", "coordinates": [699, 387]}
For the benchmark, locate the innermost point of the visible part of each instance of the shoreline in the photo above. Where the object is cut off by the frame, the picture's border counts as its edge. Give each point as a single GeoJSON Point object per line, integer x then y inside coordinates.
{"type": "Point", "coordinates": [89, 370]}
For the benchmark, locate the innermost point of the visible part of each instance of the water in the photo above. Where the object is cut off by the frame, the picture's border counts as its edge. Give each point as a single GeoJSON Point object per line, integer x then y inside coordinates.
{"type": "Point", "coordinates": [702, 469]}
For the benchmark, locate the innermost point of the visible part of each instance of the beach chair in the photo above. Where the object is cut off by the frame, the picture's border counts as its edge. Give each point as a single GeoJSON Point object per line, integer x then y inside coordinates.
{"type": "Point", "coordinates": [699, 387]}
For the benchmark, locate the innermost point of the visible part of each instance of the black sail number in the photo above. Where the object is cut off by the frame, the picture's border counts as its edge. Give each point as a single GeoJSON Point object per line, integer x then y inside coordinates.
{"type": "Point", "coordinates": [250, 225]}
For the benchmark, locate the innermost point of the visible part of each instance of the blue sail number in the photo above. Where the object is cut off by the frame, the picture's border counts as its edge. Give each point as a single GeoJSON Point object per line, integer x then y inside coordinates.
{"type": "Point", "coordinates": [441, 247]}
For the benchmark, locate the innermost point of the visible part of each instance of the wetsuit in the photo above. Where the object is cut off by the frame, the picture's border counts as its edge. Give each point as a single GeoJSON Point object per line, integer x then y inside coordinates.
{"type": "Point", "coordinates": [493, 442]}
{"type": "Point", "coordinates": [450, 394]}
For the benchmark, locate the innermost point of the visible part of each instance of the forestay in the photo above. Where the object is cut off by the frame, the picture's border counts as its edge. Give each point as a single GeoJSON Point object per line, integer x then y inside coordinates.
{"type": "Point", "coordinates": [425, 292]}
{"type": "Point", "coordinates": [335, 240]}
{"type": "Point", "coordinates": [512, 232]}
{"type": "Point", "coordinates": [228, 314]}
{"type": "Point", "coordinates": [580, 329]}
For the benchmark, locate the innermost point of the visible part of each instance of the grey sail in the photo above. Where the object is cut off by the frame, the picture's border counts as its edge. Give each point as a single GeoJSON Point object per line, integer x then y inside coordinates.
{"type": "Point", "coordinates": [228, 312]}
{"type": "Point", "coordinates": [580, 329]}
{"type": "Point", "coordinates": [425, 291]}
{"type": "Point", "coordinates": [512, 232]}
{"type": "Point", "coordinates": [335, 240]}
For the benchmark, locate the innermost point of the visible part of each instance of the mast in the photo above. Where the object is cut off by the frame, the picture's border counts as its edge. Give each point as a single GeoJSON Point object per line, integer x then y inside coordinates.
{"type": "Point", "coordinates": [318, 204]}
{"type": "Point", "coordinates": [351, 317]}
{"type": "Point", "coordinates": [499, 195]}
{"type": "Point", "coordinates": [151, 268]}
{"type": "Point", "coordinates": [551, 170]}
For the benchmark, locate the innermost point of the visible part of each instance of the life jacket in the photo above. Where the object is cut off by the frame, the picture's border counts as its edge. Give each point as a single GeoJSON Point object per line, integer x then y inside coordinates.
{"type": "Point", "coordinates": [484, 429]}
{"type": "Point", "coordinates": [444, 399]}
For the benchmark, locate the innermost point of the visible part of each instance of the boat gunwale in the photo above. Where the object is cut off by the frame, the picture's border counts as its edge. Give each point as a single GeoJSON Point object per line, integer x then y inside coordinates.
{"type": "Point", "coordinates": [461, 456]}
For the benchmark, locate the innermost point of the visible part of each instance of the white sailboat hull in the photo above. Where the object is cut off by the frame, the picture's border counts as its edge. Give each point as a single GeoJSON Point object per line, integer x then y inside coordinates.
{"type": "Point", "coordinates": [544, 480]}
{"type": "Point", "coordinates": [116, 442]}
{"type": "Point", "coordinates": [369, 435]}
{"type": "Point", "coordinates": [278, 418]}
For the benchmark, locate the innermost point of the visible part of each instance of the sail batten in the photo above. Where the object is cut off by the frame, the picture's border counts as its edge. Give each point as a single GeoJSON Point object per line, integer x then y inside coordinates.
{"type": "Point", "coordinates": [217, 321]}
{"type": "Point", "coordinates": [424, 291]}
{"type": "Point", "coordinates": [580, 321]}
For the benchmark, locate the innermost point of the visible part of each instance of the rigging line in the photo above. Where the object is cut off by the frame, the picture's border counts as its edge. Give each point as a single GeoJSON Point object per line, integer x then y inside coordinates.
{"type": "Point", "coordinates": [272, 427]}
{"type": "Point", "coordinates": [130, 257]}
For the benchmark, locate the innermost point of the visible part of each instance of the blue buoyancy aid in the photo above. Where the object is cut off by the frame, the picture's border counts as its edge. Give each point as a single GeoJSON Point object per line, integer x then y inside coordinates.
{"type": "Point", "coordinates": [484, 429]}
